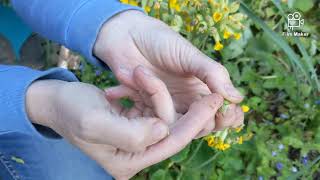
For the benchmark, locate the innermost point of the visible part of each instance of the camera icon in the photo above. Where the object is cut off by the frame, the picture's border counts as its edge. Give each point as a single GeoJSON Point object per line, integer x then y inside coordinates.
{"type": "Point", "coordinates": [295, 20]}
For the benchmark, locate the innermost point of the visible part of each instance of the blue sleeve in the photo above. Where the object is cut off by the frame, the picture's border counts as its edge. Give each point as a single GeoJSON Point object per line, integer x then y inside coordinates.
{"type": "Point", "coordinates": [14, 83]}
{"type": "Point", "coordinates": [73, 23]}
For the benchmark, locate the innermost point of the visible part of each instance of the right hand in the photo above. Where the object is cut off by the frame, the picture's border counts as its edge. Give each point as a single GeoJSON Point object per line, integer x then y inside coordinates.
{"type": "Point", "coordinates": [80, 113]}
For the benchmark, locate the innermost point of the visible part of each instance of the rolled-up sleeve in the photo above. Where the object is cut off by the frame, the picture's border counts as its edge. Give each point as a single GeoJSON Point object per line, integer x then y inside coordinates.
{"type": "Point", "coordinates": [14, 82]}
{"type": "Point", "coordinates": [73, 23]}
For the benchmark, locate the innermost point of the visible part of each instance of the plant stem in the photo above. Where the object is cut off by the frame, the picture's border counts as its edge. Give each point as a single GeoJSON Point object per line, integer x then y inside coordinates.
{"type": "Point", "coordinates": [208, 161]}
{"type": "Point", "coordinates": [195, 152]}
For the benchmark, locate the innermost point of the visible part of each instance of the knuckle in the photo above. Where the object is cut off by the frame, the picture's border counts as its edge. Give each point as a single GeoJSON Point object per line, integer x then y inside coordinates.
{"type": "Point", "coordinates": [137, 142]}
{"type": "Point", "coordinates": [223, 70]}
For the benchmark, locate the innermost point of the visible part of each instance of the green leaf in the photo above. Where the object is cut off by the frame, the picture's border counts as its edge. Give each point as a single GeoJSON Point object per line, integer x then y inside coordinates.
{"type": "Point", "coordinates": [181, 156]}
{"type": "Point", "coordinates": [279, 40]}
{"type": "Point", "coordinates": [159, 175]}
{"type": "Point", "coordinates": [305, 90]}
{"type": "Point", "coordinates": [126, 102]}
{"type": "Point", "coordinates": [294, 142]}
{"type": "Point", "coordinates": [190, 174]}
{"type": "Point", "coordinates": [306, 57]}
{"type": "Point", "coordinates": [303, 5]}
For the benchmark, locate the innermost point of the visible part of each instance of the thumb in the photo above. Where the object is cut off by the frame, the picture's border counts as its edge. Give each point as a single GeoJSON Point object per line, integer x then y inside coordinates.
{"type": "Point", "coordinates": [184, 130]}
{"type": "Point", "coordinates": [131, 135]}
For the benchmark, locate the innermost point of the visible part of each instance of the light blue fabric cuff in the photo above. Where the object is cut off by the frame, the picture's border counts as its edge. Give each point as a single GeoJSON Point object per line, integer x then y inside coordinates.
{"type": "Point", "coordinates": [15, 81]}
{"type": "Point", "coordinates": [86, 23]}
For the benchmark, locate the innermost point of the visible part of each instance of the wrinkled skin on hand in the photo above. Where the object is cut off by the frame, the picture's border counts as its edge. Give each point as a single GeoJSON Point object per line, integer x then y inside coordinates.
{"type": "Point", "coordinates": [131, 39]}
{"type": "Point", "coordinates": [121, 145]}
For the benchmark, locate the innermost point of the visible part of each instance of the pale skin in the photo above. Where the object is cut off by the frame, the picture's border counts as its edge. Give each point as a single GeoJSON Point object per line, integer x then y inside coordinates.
{"type": "Point", "coordinates": [175, 88]}
{"type": "Point", "coordinates": [131, 39]}
{"type": "Point", "coordinates": [122, 141]}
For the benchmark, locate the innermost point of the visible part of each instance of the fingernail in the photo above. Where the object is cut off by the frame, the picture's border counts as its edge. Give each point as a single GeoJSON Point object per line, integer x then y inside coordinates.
{"type": "Point", "coordinates": [146, 71]}
{"type": "Point", "coordinates": [124, 70]}
{"type": "Point", "coordinates": [159, 131]}
{"type": "Point", "coordinates": [232, 91]}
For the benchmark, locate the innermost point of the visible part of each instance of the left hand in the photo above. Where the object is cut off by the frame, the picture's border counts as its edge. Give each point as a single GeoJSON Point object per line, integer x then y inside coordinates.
{"type": "Point", "coordinates": [131, 39]}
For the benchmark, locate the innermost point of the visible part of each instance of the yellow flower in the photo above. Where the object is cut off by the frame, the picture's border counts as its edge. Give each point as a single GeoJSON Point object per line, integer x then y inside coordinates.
{"type": "Point", "coordinates": [174, 5]}
{"type": "Point", "coordinates": [226, 146]}
{"type": "Point", "coordinates": [250, 135]}
{"type": "Point", "coordinates": [189, 28]}
{"type": "Point", "coordinates": [225, 9]}
{"type": "Point", "coordinates": [240, 140]}
{"type": "Point", "coordinates": [157, 6]}
{"type": "Point", "coordinates": [177, 7]}
{"type": "Point", "coordinates": [217, 16]}
{"type": "Point", "coordinates": [211, 142]}
{"type": "Point", "coordinates": [124, 1]}
{"type": "Point", "coordinates": [226, 34]}
{"type": "Point", "coordinates": [218, 46]}
{"type": "Point", "coordinates": [147, 9]}
{"type": "Point", "coordinates": [245, 108]}
{"type": "Point", "coordinates": [237, 36]}
{"type": "Point", "coordinates": [238, 129]}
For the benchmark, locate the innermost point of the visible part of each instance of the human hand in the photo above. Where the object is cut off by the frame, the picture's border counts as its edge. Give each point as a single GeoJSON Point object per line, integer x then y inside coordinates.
{"type": "Point", "coordinates": [131, 39]}
{"type": "Point", "coordinates": [60, 105]}
{"type": "Point", "coordinates": [80, 113]}
{"type": "Point", "coordinates": [152, 99]}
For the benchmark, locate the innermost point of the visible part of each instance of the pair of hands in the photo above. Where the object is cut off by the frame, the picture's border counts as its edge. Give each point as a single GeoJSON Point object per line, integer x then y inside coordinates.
{"type": "Point", "coordinates": [166, 77]}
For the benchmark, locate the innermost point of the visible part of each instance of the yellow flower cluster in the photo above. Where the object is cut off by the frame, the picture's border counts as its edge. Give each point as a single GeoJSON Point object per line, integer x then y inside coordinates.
{"type": "Point", "coordinates": [245, 108]}
{"type": "Point", "coordinates": [218, 19]}
{"type": "Point", "coordinates": [217, 143]}
{"type": "Point", "coordinates": [220, 142]}
{"type": "Point", "coordinates": [131, 2]}
{"type": "Point", "coordinates": [173, 4]}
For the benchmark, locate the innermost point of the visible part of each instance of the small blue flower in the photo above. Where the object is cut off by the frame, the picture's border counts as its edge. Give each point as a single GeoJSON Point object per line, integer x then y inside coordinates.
{"type": "Point", "coordinates": [317, 102]}
{"type": "Point", "coordinates": [98, 72]}
{"type": "Point", "coordinates": [274, 153]}
{"type": "Point", "coordinates": [294, 169]}
{"type": "Point", "coordinates": [306, 106]}
{"type": "Point", "coordinates": [279, 166]}
{"type": "Point", "coordinates": [281, 146]}
{"type": "Point", "coordinates": [284, 116]}
{"type": "Point", "coordinates": [260, 178]}
{"type": "Point", "coordinates": [305, 160]}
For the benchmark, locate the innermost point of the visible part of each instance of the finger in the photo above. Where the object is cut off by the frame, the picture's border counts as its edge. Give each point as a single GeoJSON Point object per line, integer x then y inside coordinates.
{"type": "Point", "coordinates": [148, 112]}
{"type": "Point", "coordinates": [125, 76]}
{"type": "Point", "coordinates": [117, 92]}
{"type": "Point", "coordinates": [130, 135]}
{"type": "Point", "coordinates": [227, 118]}
{"type": "Point", "coordinates": [239, 118]}
{"type": "Point", "coordinates": [214, 75]}
{"type": "Point", "coordinates": [184, 130]}
{"type": "Point", "coordinates": [208, 128]}
{"type": "Point", "coordinates": [116, 106]}
{"type": "Point", "coordinates": [113, 94]}
{"type": "Point", "coordinates": [133, 113]}
{"type": "Point", "coordinates": [160, 97]}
